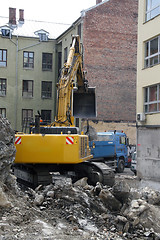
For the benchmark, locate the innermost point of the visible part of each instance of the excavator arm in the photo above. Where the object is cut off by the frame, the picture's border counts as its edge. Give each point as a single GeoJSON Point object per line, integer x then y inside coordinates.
{"type": "Point", "coordinates": [73, 83]}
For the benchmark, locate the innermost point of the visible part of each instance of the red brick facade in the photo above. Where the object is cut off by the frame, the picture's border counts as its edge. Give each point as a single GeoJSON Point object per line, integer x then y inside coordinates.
{"type": "Point", "coordinates": [110, 51]}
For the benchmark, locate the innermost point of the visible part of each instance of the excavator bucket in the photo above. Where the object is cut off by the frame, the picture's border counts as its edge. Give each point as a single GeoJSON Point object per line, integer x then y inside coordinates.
{"type": "Point", "coordinates": [84, 104]}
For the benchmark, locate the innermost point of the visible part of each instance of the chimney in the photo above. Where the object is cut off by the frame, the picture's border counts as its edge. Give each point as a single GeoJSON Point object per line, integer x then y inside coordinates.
{"type": "Point", "coordinates": [98, 1]}
{"type": "Point", "coordinates": [21, 15]}
{"type": "Point", "coordinates": [12, 16]}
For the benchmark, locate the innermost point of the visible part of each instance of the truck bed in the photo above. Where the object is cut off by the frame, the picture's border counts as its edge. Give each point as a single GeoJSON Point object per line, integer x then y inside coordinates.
{"type": "Point", "coordinates": [101, 149]}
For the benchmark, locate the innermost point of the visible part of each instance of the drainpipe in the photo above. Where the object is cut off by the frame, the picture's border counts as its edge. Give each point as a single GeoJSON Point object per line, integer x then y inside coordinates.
{"type": "Point", "coordinates": [16, 83]}
{"type": "Point", "coordinates": [16, 87]}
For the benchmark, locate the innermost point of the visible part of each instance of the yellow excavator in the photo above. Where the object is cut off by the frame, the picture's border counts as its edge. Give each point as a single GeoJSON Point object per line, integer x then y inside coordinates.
{"type": "Point", "coordinates": [60, 147]}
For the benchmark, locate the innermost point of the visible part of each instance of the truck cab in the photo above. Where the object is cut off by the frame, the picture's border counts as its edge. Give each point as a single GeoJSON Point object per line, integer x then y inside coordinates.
{"type": "Point", "coordinates": [112, 148]}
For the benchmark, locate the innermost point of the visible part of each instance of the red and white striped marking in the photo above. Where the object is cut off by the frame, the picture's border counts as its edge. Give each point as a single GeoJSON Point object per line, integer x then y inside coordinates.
{"type": "Point", "coordinates": [69, 140]}
{"type": "Point", "coordinates": [18, 140]}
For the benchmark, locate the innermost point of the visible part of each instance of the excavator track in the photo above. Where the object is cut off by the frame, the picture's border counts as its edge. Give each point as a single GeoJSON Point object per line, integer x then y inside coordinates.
{"type": "Point", "coordinates": [96, 172]}
{"type": "Point", "coordinates": [102, 173]}
{"type": "Point", "coordinates": [34, 175]}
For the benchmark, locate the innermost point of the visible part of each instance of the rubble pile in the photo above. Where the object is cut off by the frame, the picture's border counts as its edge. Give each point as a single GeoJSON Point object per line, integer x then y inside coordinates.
{"type": "Point", "coordinates": [63, 210]}
{"type": "Point", "coordinates": [7, 153]}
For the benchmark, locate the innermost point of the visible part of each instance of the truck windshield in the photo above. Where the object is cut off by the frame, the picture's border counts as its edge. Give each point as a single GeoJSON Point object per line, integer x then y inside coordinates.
{"type": "Point", "coordinates": [105, 137]}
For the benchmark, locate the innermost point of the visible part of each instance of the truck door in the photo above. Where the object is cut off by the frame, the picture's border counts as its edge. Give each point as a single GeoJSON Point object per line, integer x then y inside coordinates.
{"type": "Point", "coordinates": [123, 146]}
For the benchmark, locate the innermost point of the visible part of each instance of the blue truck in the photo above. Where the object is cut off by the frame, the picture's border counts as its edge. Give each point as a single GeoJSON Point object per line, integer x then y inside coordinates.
{"type": "Point", "coordinates": [112, 148]}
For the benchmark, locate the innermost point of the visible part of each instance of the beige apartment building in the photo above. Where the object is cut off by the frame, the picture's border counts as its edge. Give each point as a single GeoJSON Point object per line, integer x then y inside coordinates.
{"type": "Point", "coordinates": [28, 68]}
{"type": "Point", "coordinates": [148, 90]}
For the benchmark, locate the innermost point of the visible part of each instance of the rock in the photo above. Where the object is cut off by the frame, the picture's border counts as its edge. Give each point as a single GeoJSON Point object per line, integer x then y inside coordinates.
{"type": "Point", "coordinates": [30, 192]}
{"type": "Point", "coordinates": [81, 183]}
{"type": "Point", "coordinates": [40, 187]}
{"type": "Point", "coordinates": [7, 149]}
{"type": "Point", "coordinates": [134, 194]}
{"type": "Point", "coordinates": [6, 132]}
{"type": "Point", "coordinates": [121, 191]}
{"type": "Point", "coordinates": [39, 198]}
{"type": "Point", "coordinates": [48, 188]}
{"type": "Point", "coordinates": [50, 194]}
{"type": "Point", "coordinates": [151, 196]}
{"type": "Point", "coordinates": [71, 218]}
{"type": "Point", "coordinates": [109, 200]}
{"type": "Point", "coordinates": [135, 209]}
{"type": "Point", "coordinates": [157, 236]}
{"type": "Point", "coordinates": [134, 204]}
{"type": "Point", "coordinates": [147, 234]}
{"type": "Point", "coordinates": [42, 208]}
{"type": "Point", "coordinates": [113, 229]}
{"type": "Point", "coordinates": [60, 181]}
{"type": "Point", "coordinates": [143, 208]}
{"type": "Point", "coordinates": [3, 200]}
{"type": "Point", "coordinates": [106, 216]}
{"type": "Point", "coordinates": [136, 222]}
{"type": "Point", "coordinates": [97, 189]}
{"type": "Point", "coordinates": [126, 227]}
{"type": "Point", "coordinates": [121, 219]}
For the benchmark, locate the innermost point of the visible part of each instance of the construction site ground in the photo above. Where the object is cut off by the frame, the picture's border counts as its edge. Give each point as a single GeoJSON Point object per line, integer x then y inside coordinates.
{"type": "Point", "coordinates": [65, 211]}
{"type": "Point", "coordinates": [130, 209]}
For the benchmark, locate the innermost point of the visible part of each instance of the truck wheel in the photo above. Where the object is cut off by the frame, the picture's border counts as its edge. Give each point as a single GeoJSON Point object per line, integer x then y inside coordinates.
{"type": "Point", "coordinates": [120, 167]}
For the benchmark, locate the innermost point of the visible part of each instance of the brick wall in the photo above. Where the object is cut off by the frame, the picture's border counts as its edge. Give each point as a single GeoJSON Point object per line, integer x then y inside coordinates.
{"type": "Point", "coordinates": [110, 47]}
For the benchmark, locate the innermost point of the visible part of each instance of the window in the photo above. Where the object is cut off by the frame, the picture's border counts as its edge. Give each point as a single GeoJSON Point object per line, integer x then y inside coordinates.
{"type": "Point", "coordinates": [46, 116]}
{"type": "Point", "coordinates": [27, 88]}
{"type": "Point", "coordinates": [122, 140]}
{"type": "Point", "coordinates": [46, 89]}
{"type": "Point", "coordinates": [3, 58]}
{"type": "Point", "coordinates": [43, 37]}
{"type": "Point", "coordinates": [28, 59]}
{"type": "Point", "coordinates": [65, 54]}
{"type": "Point", "coordinates": [104, 137]}
{"type": "Point", "coordinates": [27, 117]}
{"type": "Point", "coordinates": [6, 32]}
{"type": "Point", "coordinates": [46, 61]}
{"type": "Point", "coordinates": [3, 87]}
{"type": "Point", "coordinates": [152, 52]}
{"type": "Point", "coordinates": [3, 112]}
{"type": "Point", "coordinates": [152, 9]}
{"type": "Point", "coordinates": [152, 99]}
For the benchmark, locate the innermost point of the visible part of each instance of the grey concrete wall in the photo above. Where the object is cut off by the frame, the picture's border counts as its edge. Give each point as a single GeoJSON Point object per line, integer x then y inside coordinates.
{"type": "Point", "coordinates": [148, 153]}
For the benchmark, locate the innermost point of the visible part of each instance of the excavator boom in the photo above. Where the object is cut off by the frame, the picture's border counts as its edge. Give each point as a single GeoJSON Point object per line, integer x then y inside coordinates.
{"type": "Point", "coordinates": [74, 97]}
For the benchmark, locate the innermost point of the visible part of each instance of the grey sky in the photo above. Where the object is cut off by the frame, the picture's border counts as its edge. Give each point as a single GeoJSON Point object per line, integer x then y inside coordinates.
{"type": "Point", "coordinates": [63, 11]}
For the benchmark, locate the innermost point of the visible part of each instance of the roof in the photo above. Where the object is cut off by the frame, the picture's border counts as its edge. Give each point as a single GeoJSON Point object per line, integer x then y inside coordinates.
{"type": "Point", "coordinates": [88, 9]}
{"type": "Point", "coordinates": [28, 28]}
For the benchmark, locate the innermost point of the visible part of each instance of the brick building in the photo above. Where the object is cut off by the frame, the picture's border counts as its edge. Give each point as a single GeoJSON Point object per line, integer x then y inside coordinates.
{"type": "Point", "coordinates": [110, 46]}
